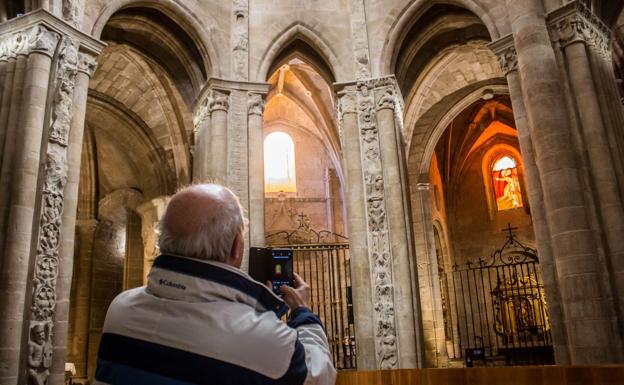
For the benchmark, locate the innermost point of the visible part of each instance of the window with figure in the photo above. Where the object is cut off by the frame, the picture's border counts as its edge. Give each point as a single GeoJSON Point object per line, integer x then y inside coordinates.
{"type": "Point", "coordinates": [279, 163]}
{"type": "Point", "coordinates": [506, 184]}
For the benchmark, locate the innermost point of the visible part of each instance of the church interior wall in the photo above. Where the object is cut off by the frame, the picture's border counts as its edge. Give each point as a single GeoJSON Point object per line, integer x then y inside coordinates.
{"type": "Point", "coordinates": [162, 57]}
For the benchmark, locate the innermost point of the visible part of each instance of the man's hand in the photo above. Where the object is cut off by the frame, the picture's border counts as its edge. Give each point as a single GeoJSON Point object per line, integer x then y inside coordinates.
{"type": "Point", "coordinates": [297, 296]}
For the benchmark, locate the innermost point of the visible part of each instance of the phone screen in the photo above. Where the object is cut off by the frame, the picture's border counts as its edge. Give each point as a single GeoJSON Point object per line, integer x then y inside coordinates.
{"type": "Point", "coordinates": [281, 268]}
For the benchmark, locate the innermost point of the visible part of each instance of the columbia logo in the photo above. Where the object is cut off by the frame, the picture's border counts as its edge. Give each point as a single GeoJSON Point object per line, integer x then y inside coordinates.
{"type": "Point", "coordinates": [164, 282]}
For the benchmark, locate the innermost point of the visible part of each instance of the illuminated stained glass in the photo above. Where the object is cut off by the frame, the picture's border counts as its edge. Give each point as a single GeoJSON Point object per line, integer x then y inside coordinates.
{"type": "Point", "coordinates": [506, 184]}
{"type": "Point", "coordinates": [279, 163]}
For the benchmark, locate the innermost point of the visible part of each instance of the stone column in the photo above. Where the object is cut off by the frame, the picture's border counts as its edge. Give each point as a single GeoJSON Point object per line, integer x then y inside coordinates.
{"type": "Point", "coordinates": [255, 124]}
{"type": "Point", "coordinates": [376, 206]}
{"type": "Point", "coordinates": [356, 221]}
{"type": "Point", "coordinates": [150, 212]}
{"type": "Point", "coordinates": [506, 52]}
{"type": "Point", "coordinates": [578, 32]}
{"type": "Point", "coordinates": [392, 149]}
{"type": "Point", "coordinates": [22, 192]}
{"type": "Point", "coordinates": [85, 68]}
{"type": "Point", "coordinates": [219, 105]}
{"type": "Point", "coordinates": [201, 146]}
{"type": "Point", "coordinates": [80, 308]}
{"type": "Point", "coordinates": [134, 262]}
{"type": "Point", "coordinates": [39, 134]}
{"type": "Point", "coordinates": [235, 126]}
{"type": "Point", "coordinates": [585, 300]}
{"type": "Point", "coordinates": [109, 262]}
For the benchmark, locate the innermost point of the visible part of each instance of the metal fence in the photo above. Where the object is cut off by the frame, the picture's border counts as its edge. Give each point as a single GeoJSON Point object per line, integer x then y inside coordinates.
{"type": "Point", "coordinates": [325, 267]}
{"type": "Point", "coordinates": [496, 311]}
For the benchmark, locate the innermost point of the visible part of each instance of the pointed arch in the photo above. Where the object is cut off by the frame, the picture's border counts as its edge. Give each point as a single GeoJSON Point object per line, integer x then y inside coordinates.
{"type": "Point", "coordinates": [399, 27]}
{"type": "Point", "coordinates": [302, 40]}
{"type": "Point", "coordinates": [205, 43]}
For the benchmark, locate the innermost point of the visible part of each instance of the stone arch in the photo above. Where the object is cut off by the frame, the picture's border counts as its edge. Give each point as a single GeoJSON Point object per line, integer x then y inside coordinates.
{"type": "Point", "coordinates": [203, 41]}
{"type": "Point", "coordinates": [431, 126]}
{"type": "Point", "coordinates": [396, 28]}
{"type": "Point", "coordinates": [299, 31]}
{"type": "Point", "coordinates": [153, 154]}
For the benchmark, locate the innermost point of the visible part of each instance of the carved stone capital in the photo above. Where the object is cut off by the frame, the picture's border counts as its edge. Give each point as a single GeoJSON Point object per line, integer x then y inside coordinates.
{"type": "Point", "coordinates": [218, 101]}
{"type": "Point", "coordinates": [255, 104]}
{"type": "Point", "coordinates": [505, 49]}
{"type": "Point", "coordinates": [87, 63]}
{"type": "Point", "coordinates": [575, 23]}
{"type": "Point", "coordinates": [346, 103]}
{"type": "Point", "coordinates": [202, 112]}
{"type": "Point", "coordinates": [37, 38]}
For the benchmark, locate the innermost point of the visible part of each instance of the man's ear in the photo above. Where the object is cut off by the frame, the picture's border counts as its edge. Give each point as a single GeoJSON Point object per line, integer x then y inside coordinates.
{"type": "Point", "coordinates": [236, 254]}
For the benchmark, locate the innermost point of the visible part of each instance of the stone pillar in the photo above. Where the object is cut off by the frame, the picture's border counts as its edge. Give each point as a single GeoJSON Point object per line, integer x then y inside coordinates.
{"type": "Point", "coordinates": [587, 307]}
{"type": "Point", "coordinates": [85, 69]}
{"type": "Point", "coordinates": [380, 241]}
{"type": "Point", "coordinates": [506, 52]}
{"type": "Point", "coordinates": [150, 213]}
{"type": "Point", "coordinates": [255, 124]}
{"type": "Point", "coordinates": [80, 306]}
{"type": "Point", "coordinates": [20, 196]}
{"type": "Point", "coordinates": [219, 104]}
{"type": "Point", "coordinates": [356, 220]}
{"type": "Point", "coordinates": [578, 32]}
{"type": "Point", "coordinates": [201, 146]}
{"type": "Point", "coordinates": [235, 143]}
{"type": "Point", "coordinates": [433, 345]}
{"type": "Point", "coordinates": [39, 133]}
{"type": "Point", "coordinates": [109, 262]}
{"type": "Point", "coordinates": [106, 281]}
{"type": "Point", "coordinates": [134, 262]}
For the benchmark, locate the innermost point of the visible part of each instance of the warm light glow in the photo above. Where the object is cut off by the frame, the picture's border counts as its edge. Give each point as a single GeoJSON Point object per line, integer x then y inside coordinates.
{"type": "Point", "coordinates": [279, 163]}
{"type": "Point", "coordinates": [506, 184]}
{"type": "Point", "coordinates": [504, 163]}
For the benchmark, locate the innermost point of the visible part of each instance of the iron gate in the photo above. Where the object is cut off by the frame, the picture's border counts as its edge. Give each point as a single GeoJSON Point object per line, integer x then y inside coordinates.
{"type": "Point", "coordinates": [325, 267]}
{"type": "Point", "coordinates": [495, 309]}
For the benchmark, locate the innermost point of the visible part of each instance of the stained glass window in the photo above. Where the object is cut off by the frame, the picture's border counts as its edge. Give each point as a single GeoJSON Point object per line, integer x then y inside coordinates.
{"type": "Point", "coordinates": [279, 163]}
{"type": "Point", "coordinates": [506, 184]}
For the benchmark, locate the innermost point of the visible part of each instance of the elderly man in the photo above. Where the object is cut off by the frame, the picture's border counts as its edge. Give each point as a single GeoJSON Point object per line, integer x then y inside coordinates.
{"type": "Point", "coordinates": [201, 320]}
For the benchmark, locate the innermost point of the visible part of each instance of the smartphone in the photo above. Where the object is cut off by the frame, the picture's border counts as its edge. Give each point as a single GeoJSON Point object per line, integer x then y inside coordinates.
{"type": "Point", "coordinates": [273, 265]}
{"type": "Point", "coordinates": [281, 268]}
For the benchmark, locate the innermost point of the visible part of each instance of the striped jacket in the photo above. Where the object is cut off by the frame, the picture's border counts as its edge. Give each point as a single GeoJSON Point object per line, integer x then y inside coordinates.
{"type": "Point", "coordinates": [199, 322]}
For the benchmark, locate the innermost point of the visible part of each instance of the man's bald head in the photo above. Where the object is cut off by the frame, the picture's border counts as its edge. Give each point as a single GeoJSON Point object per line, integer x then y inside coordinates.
{"type": "Point", "coordinates": [201, 221]}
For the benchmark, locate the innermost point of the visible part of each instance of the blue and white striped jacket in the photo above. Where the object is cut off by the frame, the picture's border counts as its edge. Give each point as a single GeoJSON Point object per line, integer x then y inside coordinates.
{"type": "Point", "coordinates": [199, 322]}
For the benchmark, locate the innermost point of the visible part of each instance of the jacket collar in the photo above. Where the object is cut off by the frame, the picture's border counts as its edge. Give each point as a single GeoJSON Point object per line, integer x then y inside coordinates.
{"type": "Point", "coordinates": [210, 280]}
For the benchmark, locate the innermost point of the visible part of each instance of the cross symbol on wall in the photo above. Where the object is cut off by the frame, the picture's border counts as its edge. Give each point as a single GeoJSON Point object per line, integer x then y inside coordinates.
{"type": "Point", "coordinates": [509, 230]}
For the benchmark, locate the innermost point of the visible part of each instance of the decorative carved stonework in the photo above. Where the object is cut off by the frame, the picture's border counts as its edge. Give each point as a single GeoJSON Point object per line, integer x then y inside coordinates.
{"type": "Point", "coordinates": [87, 64]}
{"type": "Point", "coordinates": [73, 11]}
{"type": "Point", "coordinates": [374, 95]}
{"type": "Point", "coordinates": [505, 50]}
{"type": "Point", "coordinates": [49, 236]}
{"type": "Point", "coordinates": [359, 35]}
{"type": "Point", "coordinates": [37, 38]}
{"type": "Point", "coordinates": [202, 112]}
{"type": "Point", "coordinates": [574, 22]}
{"type": "Point", "coordinates": [508, 60]}
{"type": "Point", "coordinates": [240, 38]}
{"type": "Point", "coordinates": [345, 104]}
{"type": "Point", "coordinates": [218, 101]}
{"type": "Point", "coordinates": [255, 104]}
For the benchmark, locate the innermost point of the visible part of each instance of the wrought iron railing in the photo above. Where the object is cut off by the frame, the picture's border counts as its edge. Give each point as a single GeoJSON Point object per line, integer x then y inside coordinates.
{"type": "Point", "coordinates": [325, 267]}
{"type": "Point", "coordinates": [495, 309]}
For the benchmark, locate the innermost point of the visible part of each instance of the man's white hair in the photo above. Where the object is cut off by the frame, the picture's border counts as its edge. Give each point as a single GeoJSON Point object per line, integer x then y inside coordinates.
{"type": "Point", "coordinates": [211, 236]}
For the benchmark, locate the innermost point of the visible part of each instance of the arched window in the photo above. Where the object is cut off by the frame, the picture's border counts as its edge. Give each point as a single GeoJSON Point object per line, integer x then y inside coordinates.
{"type": "Point", "coordinates": [506, 184]}
{"type": "Point", "coordinates": [279, 163]}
